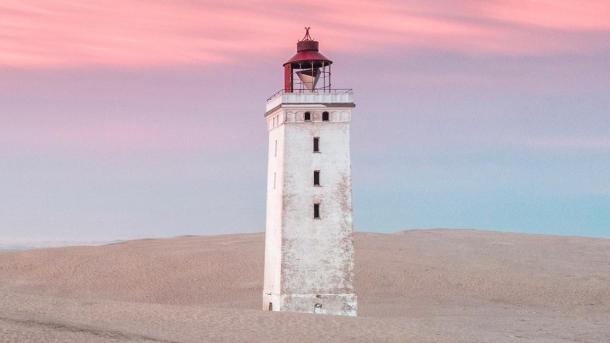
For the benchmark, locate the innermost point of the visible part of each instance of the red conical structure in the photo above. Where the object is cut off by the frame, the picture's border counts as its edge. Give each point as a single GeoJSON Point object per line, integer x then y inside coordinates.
{"type": "Point", "coordinates": [309, 65]}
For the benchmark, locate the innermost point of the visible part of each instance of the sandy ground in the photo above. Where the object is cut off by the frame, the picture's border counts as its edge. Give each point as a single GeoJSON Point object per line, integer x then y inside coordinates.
{"type": "Point", "coordinates": [415, 286]}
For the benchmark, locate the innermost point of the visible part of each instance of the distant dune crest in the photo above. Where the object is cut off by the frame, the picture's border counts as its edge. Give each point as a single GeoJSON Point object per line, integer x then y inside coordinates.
{"type": "Point", "coordinates": [420, 286]}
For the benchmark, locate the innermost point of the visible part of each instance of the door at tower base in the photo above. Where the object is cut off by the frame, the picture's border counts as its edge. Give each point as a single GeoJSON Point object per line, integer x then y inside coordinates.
{"type": "Point", "coordinates": [336, 304]}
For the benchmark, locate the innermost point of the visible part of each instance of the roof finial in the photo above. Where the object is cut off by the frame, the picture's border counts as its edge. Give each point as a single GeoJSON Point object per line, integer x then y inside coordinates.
{"type": "Point", "coordinates": [307, 36]}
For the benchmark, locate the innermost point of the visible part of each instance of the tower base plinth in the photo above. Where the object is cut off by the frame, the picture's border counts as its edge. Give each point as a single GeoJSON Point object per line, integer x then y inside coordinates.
{"type": "Point", "coordinates": [332, 304]}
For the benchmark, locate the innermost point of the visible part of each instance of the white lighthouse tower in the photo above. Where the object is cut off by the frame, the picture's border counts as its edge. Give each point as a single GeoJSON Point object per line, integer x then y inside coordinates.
{"type": "Point", "coordinates": [308, 242]}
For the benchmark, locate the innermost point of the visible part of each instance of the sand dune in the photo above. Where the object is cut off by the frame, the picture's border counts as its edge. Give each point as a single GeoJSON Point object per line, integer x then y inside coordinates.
{"type": "Point", "coordinates": [414, 286]}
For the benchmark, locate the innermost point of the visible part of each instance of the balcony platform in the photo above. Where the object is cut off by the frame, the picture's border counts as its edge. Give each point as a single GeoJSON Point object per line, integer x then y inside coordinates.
{"type": "Point", "coordinates": [328, 97]}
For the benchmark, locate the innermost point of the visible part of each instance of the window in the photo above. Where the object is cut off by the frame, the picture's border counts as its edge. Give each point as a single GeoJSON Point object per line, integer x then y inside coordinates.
{"type": "Point", "coordinates": [325, 116]}
{"type": "Point", "coordinates": [307, 116]}
{"type": "Point", "coordinates": [316, 144]}
{"type": "Point", "coordinates": [275, 152]}
{"type": "Point", "coordinates": [316, 211]}
{"type": "Point", "coordinates": [316, 177]}
{"type": "Point", "coordinates": [274, 178]}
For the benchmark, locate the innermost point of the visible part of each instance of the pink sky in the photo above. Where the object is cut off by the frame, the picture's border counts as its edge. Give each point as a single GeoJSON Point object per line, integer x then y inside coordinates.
{"type": "Point", "coordinates": [145, 117]}
{"type": "Point", "coordinates": [129, 33]}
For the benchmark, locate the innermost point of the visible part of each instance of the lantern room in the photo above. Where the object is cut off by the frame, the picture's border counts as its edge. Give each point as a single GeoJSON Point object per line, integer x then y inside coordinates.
{"type": "Point", "coordinates": [308, 70]}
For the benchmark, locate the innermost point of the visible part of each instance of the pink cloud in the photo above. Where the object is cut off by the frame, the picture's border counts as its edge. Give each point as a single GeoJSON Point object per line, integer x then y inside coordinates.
{"type": "Point", "coordinates": [565, 15]}
{"type": "Point", "coordinates": [138, 33]}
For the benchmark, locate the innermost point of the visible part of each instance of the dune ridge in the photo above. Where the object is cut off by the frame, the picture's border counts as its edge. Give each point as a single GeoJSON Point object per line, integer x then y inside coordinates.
{"type": "Point", "coordinates": [413, 286]}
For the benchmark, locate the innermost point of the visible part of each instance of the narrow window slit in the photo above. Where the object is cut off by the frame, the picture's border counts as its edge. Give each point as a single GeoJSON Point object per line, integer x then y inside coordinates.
{"type": "Point", "coordinates": [316, 211]}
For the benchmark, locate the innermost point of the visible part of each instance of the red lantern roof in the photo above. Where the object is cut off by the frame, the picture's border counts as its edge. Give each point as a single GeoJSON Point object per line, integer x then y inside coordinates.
{"type": "Point", "coordinates": [307, 52]}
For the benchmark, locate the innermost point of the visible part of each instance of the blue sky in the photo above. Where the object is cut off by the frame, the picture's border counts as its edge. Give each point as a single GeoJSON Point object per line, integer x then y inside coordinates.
{"type": "Point", "coordinates": [451, 135]}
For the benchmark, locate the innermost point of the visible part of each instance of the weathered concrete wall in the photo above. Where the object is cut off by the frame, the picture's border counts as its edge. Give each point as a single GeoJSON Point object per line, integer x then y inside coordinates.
{"type": "Point", "coordinates": [313, 258]}
{"type": "Point", "coordinates": [273, 236]}
{"type": "Point", "coordinates": [335, 304]}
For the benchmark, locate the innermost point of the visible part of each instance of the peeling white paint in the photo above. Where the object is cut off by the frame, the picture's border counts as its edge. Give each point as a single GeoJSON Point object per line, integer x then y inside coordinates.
{"type": "Point", "coordinates": [308, 261]}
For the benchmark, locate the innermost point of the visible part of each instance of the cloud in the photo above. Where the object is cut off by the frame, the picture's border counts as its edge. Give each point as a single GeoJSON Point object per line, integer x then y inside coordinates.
{"type": "Point", "coordinates": [565, 15]}
{"type": "Point", "coordinates": [138, 33]}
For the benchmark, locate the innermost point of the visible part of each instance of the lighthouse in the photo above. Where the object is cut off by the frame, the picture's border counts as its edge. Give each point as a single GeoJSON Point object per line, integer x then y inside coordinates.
{"type": "Point", "coordinates": [309, 265]}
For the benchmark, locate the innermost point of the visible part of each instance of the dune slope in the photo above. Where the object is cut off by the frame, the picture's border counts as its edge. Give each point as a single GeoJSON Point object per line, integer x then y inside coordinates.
{"type": "Point", "coordinates": [419, 286]}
